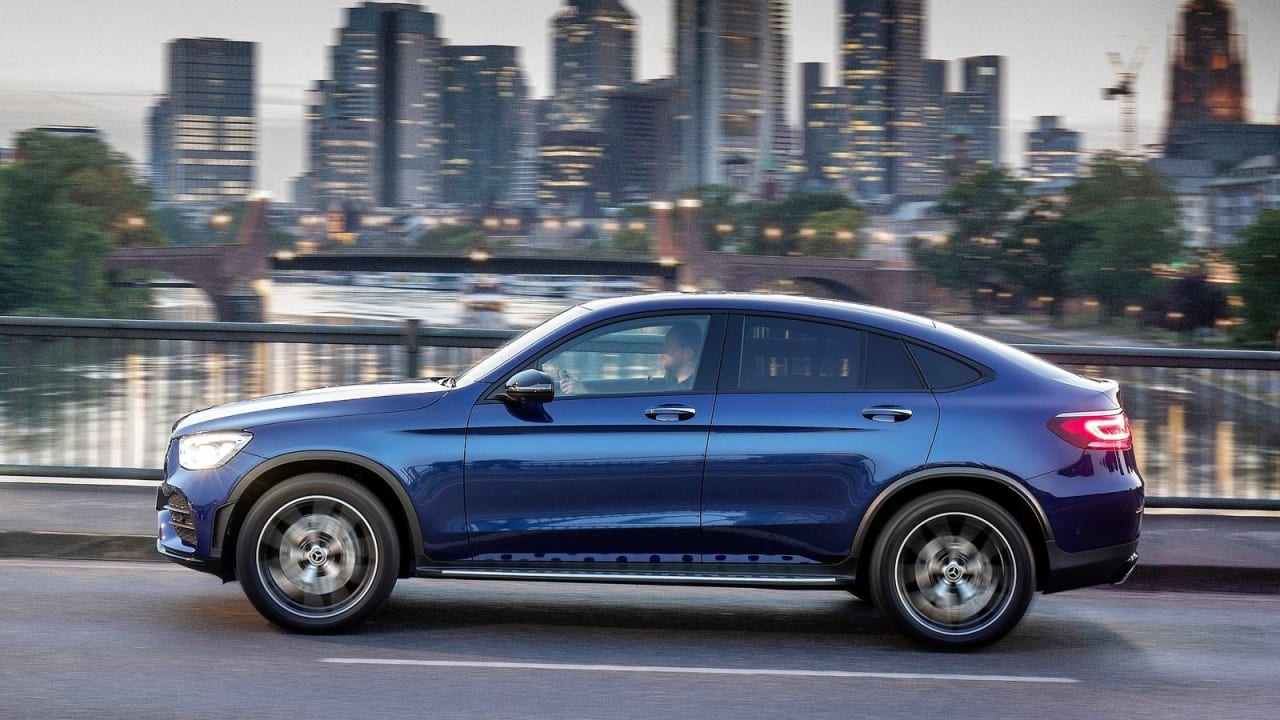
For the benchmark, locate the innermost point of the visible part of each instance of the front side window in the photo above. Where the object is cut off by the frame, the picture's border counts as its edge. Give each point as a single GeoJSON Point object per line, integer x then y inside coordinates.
{"type": "Point", "coordinates": [646, 355]}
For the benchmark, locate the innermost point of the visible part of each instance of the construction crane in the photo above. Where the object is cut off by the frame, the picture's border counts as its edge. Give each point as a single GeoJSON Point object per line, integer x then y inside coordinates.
{"type": "Point", "coordinates": [1126, 89]}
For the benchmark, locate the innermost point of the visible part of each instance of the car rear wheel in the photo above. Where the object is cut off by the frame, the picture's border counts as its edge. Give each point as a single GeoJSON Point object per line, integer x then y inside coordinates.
{"type": "Point", "coordinates": [953, 569]}
{"type": "Point", "coordinates": [317, 553]}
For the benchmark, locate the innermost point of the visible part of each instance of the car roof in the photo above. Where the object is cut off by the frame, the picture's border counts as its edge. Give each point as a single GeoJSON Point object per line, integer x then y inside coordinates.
{"type": "Point", "coordinates": [765, 302]}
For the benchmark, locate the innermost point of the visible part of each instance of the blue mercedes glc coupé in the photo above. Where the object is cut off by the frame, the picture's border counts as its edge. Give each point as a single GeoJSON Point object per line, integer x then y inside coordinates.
{"type": "Point", "coordinates": [733, 440]}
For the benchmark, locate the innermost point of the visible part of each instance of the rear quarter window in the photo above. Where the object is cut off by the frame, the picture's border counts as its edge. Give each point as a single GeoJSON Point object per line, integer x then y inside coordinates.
{"type": "Point", "coordinates": [889, 366]}
{"type": "Point", "coordinates": [943, 372]}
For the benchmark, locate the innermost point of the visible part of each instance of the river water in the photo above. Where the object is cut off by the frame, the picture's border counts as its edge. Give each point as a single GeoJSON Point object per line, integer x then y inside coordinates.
{"type": "Point", "coordinates": [111, 403]}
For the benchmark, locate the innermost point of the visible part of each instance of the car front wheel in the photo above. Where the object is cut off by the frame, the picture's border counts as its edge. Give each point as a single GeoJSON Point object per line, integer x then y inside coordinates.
{"type": "Point", "coordinates": [953, 569]}
{"type": "Point", "coordinates": [317, 553]}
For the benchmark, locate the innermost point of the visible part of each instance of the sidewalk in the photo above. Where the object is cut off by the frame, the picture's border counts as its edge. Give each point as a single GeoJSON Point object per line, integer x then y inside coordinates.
{"type": "Point", "coordinates": [1179, 551]}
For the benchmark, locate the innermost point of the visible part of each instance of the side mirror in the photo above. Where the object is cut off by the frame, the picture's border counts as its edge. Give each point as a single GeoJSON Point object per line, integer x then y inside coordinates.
{"type": "Point", "coordinates": [533, 386]}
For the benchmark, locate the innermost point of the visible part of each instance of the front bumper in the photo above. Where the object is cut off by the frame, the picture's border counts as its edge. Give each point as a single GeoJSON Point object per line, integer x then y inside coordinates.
{"type": "Point", "coordinates": [1102, 566]}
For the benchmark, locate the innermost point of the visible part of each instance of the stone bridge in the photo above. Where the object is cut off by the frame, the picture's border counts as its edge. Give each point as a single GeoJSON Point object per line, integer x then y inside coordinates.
{"type": "Point", "coordinates": [227, 273]}
{"type": "Point", "coordinates": [889, 284]}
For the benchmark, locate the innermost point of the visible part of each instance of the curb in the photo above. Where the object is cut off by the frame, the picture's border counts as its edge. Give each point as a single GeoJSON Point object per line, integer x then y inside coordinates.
{"type": "Point", "coordinates": [1203, 578]}
{"type": "Point", "coordinates": [77, 546]}
{"type": "Point", "coordinates": [1149, 578]}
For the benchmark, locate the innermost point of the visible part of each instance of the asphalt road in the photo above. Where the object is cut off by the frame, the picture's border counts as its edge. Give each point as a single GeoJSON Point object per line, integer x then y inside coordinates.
{"type": "Point", "coordinates": [94, 639]}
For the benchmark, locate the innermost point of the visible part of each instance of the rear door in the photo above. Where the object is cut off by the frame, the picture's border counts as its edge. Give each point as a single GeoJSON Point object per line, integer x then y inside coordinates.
{"type": "Point", "coordinates": [811, 420]}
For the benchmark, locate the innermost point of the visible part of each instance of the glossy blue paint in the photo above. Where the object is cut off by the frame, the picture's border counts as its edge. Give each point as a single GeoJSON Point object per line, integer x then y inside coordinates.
{"type": "Point", "coordinates": [791, 474]}
{"type": "Point", "coordinates": [588, 478]}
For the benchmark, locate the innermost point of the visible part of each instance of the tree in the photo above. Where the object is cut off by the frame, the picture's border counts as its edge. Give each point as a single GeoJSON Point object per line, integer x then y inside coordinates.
{"type": "Point", "coordinates": [833, 233]}
{"type": "Point", "coordinates": [631, 243]}
{"type": "Point", "coordinates": [778, 224]}
{"type": "Point", "coordinates": [64, 206]}
{"type": "Point", "coordinates": [450, 238]}
{"type": "Point", "coordinates": [1258, 263]}
{"type": "Point", "coordinates": [985, 207]}
{"type": "Point", "coordinates": [1132, 222]}
{"type": "Point", "coordinates": [1035, 256]}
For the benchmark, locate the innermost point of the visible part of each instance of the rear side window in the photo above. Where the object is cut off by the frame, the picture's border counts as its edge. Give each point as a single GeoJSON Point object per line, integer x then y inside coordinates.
{"type": "Point", "coordinates": [784, 355]}
{"type": "Point", "coordinates": [889, 366]}
{"type": "Point", "coordinates": [943, 372]}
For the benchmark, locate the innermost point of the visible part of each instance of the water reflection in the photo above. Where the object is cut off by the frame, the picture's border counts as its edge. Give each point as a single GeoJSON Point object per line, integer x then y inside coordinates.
{"type": "Point", "coordinates": [112, 402]}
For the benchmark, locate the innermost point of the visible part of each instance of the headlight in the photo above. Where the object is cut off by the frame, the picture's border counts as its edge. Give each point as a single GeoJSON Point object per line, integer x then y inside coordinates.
{"type": "Point", "coordinates": [206, 451]}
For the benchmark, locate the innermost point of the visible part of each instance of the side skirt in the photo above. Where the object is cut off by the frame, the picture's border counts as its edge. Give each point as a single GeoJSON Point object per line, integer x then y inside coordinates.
{"type": "Point", "coordinates": [808, 578]}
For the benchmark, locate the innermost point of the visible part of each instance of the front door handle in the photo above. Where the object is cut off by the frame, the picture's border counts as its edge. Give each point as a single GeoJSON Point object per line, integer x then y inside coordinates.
{"type": "Point", "coordinates": [886, 413]}
{"type": "Point", "coordinates": [670, 413]}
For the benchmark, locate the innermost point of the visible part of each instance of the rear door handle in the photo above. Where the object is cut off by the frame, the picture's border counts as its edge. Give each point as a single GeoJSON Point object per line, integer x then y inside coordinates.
{"type": "Point", "coordinates": [886, 413]}
{"type": "Point", "coordinates": [670, 413]}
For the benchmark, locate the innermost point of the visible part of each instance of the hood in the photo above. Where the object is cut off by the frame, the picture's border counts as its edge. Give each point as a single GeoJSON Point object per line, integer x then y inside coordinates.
{"type": "Point", "coordinates": [384, 397]}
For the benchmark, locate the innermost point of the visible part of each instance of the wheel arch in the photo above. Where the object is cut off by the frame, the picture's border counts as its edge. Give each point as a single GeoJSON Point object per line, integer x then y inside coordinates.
{"type": "Point", "coordinates": [995, 486]}
{"type": "Point", "coordinates": [370, 474]}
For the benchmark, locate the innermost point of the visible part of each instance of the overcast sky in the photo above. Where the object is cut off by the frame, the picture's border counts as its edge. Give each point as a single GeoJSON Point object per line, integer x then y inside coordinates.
{"type": "Point", "coordinates": [99, 62]}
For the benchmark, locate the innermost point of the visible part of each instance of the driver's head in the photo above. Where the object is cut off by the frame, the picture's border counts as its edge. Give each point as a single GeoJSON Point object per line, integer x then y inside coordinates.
{"type": "Point", "coordinates": [680, 346]}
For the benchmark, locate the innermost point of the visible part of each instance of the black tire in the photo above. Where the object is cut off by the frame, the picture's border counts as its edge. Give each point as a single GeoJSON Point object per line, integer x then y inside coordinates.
{"type": "Point", "coordinates": [317, 553]}
{"type": "Point", "coordinates": [953, 570]}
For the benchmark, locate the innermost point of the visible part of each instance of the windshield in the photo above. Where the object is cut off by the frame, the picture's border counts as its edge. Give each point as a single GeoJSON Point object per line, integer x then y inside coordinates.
{"type": "Point", "coordinates": [517, 345]}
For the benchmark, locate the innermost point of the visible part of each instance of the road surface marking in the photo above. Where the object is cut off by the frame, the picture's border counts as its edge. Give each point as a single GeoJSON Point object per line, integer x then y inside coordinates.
{"type": "Point", "coordinates": [655, 669]}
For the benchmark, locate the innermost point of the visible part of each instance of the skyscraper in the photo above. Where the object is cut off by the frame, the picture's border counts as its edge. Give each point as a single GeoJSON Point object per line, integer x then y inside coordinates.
{"type": "Point", "coordinates": [1206, 78]}
{"type": "Point", "coordinates": [1053, 153]}
{"type": "Point", "coordinates": [882, 54]}
{"type": "Point", "coordinates": [485, 117]}
{"type": "Point", "coordinates": [204, 130]}
{"type": "Point", "coordinates": [158, 146]}
{"type": "Point", "coordinates": [594, 46]}
{"type": "Point", "coordinates": [824, 112]}
{"type": "Point", "coordinates": [983, 82]}
{"type": "Point", "coordinates": [731, 65]}
{"type": "Point", "coordinates": [638, 142]}
{"type": "Point", "coordinates": [381, 108]}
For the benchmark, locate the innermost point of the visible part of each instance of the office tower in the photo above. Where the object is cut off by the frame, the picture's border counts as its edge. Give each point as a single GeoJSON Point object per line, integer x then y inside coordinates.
{"type": "Point", "coordinates": [972, 117]}
{"type": "Point", "coordinates": [1053, 153]}
{"type": "Point", "coordinates": [935, 122]}
{"type": "Point", "coordinates": [158, 145]}
{"type": "Point", "coordinates": [731, 68]}
{"type": "Point", "coordinates": [594, 48]}
{"type": "Point", "coordinates": [639, 149]}
{"type": "Point", "coordinates": [983, 84]}
{"type": "Point", "coordinates": [571, 169]}
{"type": "Point", "coordinates": [204, 131]}
{"type": "Point", "coordinates": [883, 57]}
{"type": "Point", "coordinates": [1206, 74]}
{"type": "Point", "coordinates": [341, 152]}
{"type": "Point", "coordinates": [824, 112]}
{"type": "Point", "coordinates": [485, 125]}
{"type": "Point", "coordinates": [380, 109]}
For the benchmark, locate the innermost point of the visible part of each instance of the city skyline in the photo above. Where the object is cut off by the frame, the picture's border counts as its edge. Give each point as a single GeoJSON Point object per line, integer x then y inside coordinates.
{"type": "Point", "coordinates": [102, 67]}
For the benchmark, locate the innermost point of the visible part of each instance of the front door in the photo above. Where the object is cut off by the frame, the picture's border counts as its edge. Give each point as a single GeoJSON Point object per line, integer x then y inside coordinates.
{"type": "Point", "coordinates": [610, 471]}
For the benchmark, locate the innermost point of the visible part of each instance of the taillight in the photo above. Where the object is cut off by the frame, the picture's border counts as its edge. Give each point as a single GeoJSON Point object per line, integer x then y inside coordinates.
{"type": "Point", "coordinates": [1094, 430]}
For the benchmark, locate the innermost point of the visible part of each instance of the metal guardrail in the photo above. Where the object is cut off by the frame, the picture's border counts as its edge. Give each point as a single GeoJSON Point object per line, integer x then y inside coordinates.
{"type": "Point", "coordinates": [1245, 385]}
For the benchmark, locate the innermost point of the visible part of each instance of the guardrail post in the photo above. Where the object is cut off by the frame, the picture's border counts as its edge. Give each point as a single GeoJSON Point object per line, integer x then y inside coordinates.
{"type": "Point", "coordinates": [411, 349]}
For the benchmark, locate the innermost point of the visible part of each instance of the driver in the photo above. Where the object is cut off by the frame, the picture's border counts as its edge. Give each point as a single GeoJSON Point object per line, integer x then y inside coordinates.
{"type": "Point", "coordinates": [679, 361]}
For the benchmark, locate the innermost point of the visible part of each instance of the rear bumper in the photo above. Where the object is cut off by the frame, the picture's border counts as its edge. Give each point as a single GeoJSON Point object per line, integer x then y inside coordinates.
{"type": "Point", "coordinates": [1103, 566]}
